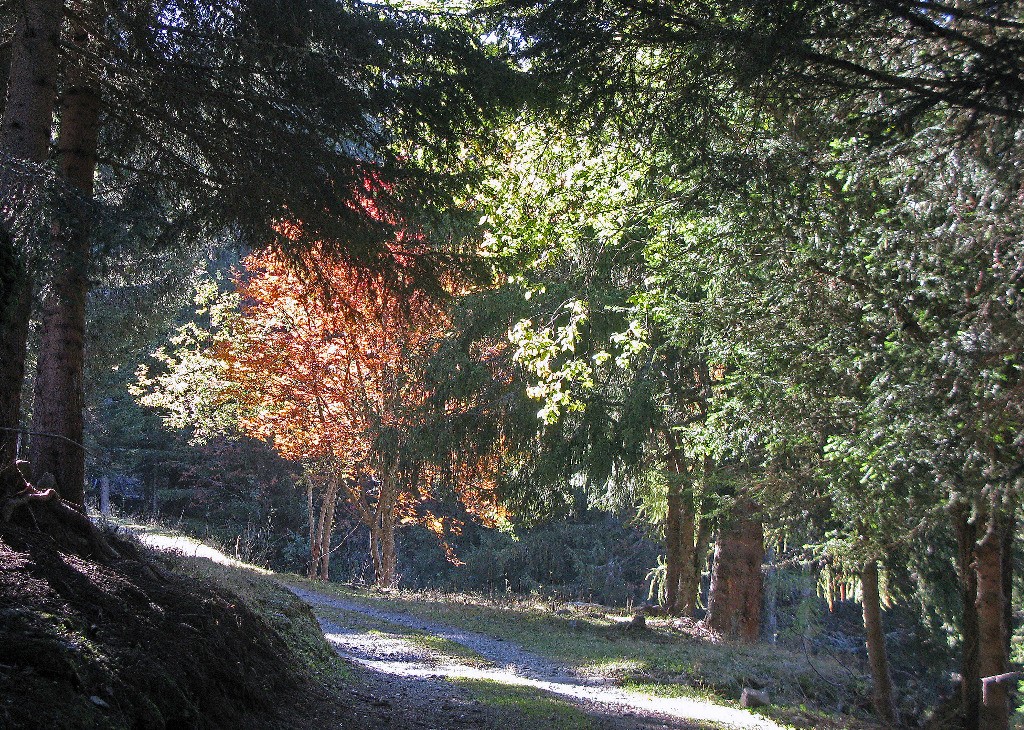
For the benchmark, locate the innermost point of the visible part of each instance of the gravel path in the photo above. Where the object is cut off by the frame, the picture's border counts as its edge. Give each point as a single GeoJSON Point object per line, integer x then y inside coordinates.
{"type": "Point", "coordinates": [405, 685]}
{"type": "Point", "coordinates": [610, 706]}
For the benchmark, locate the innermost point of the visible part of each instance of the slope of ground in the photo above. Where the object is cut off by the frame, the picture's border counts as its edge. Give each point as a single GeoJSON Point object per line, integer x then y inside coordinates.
{"type": "Point", "coordinates": [147, 641]}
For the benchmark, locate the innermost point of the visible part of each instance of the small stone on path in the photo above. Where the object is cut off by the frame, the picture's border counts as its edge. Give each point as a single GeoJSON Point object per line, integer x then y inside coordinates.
{"type": "Point", "coordinates": [753, 698]}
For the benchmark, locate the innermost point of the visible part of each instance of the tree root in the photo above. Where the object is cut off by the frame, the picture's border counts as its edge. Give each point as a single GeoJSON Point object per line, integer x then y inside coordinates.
{"type": "Point", "coordinates": [65, 515]}
{"type": "Point", "coordinates": [26, 496]}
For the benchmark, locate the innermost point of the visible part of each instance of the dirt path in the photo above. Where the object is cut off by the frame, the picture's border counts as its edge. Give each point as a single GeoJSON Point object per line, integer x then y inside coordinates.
{"type": "Point", "coordinates": [417, 680]}
{"type": "Point", "coordinates": [432, 679]}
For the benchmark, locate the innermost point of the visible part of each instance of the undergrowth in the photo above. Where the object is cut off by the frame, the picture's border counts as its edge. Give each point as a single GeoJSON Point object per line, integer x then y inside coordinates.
{"type": "Point", "coordinates": [149, 640]}
{"type": "Point", "coordinates": [289, 617]}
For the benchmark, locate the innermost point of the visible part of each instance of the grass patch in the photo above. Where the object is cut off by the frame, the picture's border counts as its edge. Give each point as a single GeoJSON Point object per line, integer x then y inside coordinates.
{"type": "Point", "coordinates": [685, 691]}
{"type": "Point", "coordinates": [530, 708]}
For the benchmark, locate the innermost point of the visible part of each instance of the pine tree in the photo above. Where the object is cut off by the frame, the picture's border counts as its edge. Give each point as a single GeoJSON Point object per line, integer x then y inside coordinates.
{"type": "Point", "coordinates": [27, 120]}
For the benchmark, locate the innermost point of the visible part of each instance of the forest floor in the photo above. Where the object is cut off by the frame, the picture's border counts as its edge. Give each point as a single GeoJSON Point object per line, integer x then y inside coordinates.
{"type": "Point", "coordinates": [422, 662]}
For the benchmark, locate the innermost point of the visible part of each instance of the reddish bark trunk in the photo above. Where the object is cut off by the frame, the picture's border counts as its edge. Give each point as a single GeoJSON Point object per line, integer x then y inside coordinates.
{"type": "Point", "coordinates": [58, 408]}
{"type": "Point", "coordinates": [881, 680]}
{"type": "Point", "coordinates": [992, 629]}
{"type": "Point", "coordinates": [24, 134]}
{"type": "Point", "coordinates": [682, 573]}
{"type": "Point", "coordinates": [734, 606]}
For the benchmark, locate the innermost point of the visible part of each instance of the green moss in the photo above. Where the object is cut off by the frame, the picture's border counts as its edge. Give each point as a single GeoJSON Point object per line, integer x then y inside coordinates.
{"type": "Point", "coordinates": [290, 617]}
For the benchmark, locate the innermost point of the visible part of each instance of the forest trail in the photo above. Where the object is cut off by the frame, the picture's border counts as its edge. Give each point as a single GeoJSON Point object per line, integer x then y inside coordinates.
{"type": "Point", "coordinates": [391, 662]}
{"type": "Point", "coordinates": [440, 677]}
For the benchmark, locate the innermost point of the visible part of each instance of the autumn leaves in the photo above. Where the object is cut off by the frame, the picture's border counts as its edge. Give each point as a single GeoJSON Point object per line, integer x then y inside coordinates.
{"type": "Point", "coordinates": [329, 368]}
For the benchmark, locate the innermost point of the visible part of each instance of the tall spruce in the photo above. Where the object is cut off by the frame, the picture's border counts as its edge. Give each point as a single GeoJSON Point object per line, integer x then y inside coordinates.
{"type": "Point", "coordinates": [59, 403]}
{"type": "Point", "coordinates": [24, 138]}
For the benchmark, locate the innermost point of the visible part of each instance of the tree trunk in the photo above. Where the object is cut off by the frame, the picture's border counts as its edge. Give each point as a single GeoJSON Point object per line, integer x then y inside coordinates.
{"type": "Point", "coordinates": [700, 557]}
{"type": "Point", "coordinates": [327, 529]}
{"type": "Point", "coordinates": [881, 680]}
{"type": "Point", "coordinates": [24, 134]}
{"type": "Point", "coordinates": [388, 577]}
{"type": "Point", "coordinates": [375, 551]}
{"type": "Point", "coordinates": [105, 496]}
{"type": "Point", "coordinates": [734, 606]}
{"type": "Point", "coordinates": [673, 550]}
{"type": "Point", "coordinates": [314, 544]}
{"type": "Point", "coordinates": [771, 598]}
{"type": "Point", "coordinates": [682, 575]}
{"type": "Point", "coordinates": [1009, 525]}
{"type": "Point", "coordinates": [383, 551]}
{"type": "Point", "coordinates": [32, 82]}
{"type": "Point", "coordinates": [320, 542]}
{"type": "Point", "coordinates": [15, 309]}
{"type": "Point", "coordinates": [689, 571]}
{"type": "Point", "coordinates": [58, 408]}
{"type": "Point", "coordinates": [970, 674]}
{"type": "Point", "coordinates": [316, 541]}
{"type": "Point", "coordinates": [992, 656]}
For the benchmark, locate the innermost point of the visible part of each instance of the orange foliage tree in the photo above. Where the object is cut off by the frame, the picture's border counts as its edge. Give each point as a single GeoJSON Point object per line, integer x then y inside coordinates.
{"type": "Point", "coordinates": [331, 373]}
